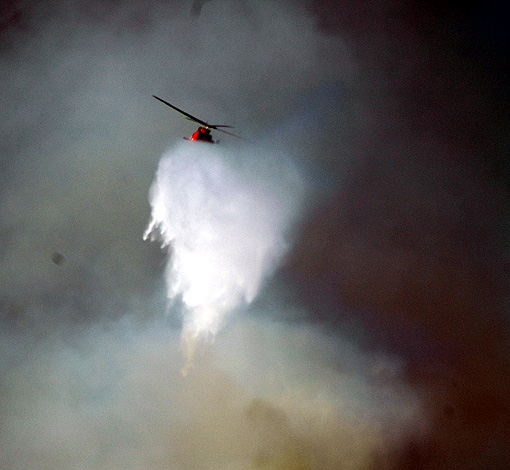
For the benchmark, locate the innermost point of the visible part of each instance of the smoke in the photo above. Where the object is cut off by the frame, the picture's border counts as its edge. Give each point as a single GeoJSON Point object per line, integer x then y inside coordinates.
{"type": "Point", "coordinates": [82, 137]}
{"type": "Point", "coordinates": [115, 397]}
{"type": "Point", "coordinates": [362, 239]}
{"type": "Point", "coordinates": [224, 215]}
{"type": "Point", "coordinates": [196, 7]}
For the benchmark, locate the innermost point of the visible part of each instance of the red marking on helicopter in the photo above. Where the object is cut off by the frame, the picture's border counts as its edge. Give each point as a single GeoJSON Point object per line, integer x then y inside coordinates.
{"type": "Point", "coordinates": [203, 133]}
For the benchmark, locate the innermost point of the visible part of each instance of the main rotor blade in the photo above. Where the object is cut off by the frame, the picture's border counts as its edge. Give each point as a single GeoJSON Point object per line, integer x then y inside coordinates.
{"type": "Point", "coordinates": [193, 118]}
{"type": "Point", "coordinates": [189, 116]}
{"type": "Point", "coordinates": [225, 132]}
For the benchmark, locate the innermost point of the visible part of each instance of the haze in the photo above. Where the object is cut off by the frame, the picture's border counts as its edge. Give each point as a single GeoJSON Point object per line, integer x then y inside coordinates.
{"type": "Point", "coordinates": [358, 264]}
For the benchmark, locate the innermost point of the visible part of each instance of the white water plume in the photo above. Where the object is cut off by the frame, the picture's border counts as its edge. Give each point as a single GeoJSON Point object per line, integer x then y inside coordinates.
{"type": "Point", "coordinates": [224, 217]}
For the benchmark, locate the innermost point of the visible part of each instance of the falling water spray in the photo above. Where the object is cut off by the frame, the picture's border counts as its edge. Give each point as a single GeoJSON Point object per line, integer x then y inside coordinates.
{"type": "Point", "coordinates": [225, 219]}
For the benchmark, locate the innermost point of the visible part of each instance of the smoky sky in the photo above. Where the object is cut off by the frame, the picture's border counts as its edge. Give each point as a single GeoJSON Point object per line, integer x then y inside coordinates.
{"type": "Point", "coordinates": [380, 340]}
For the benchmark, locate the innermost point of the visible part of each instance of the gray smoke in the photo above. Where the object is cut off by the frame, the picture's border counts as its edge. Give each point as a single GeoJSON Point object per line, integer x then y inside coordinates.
{"type": "Point", "coordinates": [372, 286]}
{"type": "Point", "coordinates": [196, 7]}
{"type": "Point", "coordinates": [266, 395]}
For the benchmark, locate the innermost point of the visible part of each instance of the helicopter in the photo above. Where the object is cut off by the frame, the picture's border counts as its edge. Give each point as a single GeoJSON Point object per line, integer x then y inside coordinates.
{"type": "Point", "coordinates": [203, 133]}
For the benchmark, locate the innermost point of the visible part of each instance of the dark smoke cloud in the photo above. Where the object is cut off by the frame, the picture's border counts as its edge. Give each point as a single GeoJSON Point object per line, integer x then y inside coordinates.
{"type": "Point", "coordinates": [423, 221]}
{"type": "Point", "coordinates": [383, 340]}
{"type": "Point", "coordinates": [196, 7]}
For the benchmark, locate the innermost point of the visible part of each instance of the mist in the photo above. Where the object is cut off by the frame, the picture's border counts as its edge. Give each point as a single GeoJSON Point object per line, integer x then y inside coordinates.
{"type": "Point", "coordinates": [348, 273]}
{"type": "Point", "coordinates": [225, 218]}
